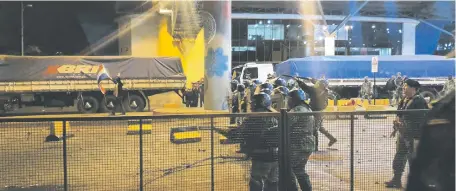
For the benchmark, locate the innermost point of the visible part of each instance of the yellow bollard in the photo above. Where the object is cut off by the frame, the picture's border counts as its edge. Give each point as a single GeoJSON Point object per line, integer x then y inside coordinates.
{"type": "Point", "coordinates": [181, 135]}
{"type": "Point", "coordinates": [133, 127]}
{"type": "Point", "coordinates": [56, 131]}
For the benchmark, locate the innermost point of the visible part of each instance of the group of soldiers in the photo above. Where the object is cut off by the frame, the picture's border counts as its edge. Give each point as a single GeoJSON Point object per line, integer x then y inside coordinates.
{"type": "Point", "coordinates": [395, 86]}
{"type": "Point", "coordinates": [258, 135]}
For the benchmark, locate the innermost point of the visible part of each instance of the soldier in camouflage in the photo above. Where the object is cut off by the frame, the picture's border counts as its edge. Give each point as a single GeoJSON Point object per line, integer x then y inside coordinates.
{"type": "Point", "coordinates": [448, 86]}
{"type": "Point", "coordinates": [366, 90]}
{"type": "Point", "coordinates": [301, 137]}
{"type": "Point", "coordinates": [399, 82]}
{"type": "Point", "coordinates": [407, 126]}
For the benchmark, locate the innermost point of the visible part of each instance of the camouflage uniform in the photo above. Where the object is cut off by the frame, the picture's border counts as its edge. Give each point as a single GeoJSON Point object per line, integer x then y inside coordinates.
{"type": "Point", "coordinates": [302, 145]}
{"type": "Point", "coordinates": [366, 91]}
{"type": "Point", "coordinates": [398, 94]}
{"type": "Point", "coordinates": [407, 135]}
{"type": "Point", "coordinates": [448, 87]}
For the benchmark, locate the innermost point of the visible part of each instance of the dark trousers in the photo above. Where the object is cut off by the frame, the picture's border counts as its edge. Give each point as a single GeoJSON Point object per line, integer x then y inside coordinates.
{"type": "Point", "coordinates": [300, 174]}
{"type": "Point", "coordinates": [319, 128]}
{"type": "Point", "coordinates": [404, 151]}
{"type": "Point", "coordinates": [117, 102]}
{"type": "Point", "coordinates": [201, 101]}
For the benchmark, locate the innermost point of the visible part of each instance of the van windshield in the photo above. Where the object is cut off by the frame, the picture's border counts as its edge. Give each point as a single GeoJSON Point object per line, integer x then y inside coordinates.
{"type": "Point", "coordinates": [250, 73]}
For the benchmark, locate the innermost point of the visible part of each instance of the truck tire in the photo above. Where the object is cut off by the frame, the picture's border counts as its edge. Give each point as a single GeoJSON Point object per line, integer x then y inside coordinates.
{"type": "Point", "coordinates": [89, 105]}
{"type": "Point", "coordinates": [134, 103]}
{"type": "Point", "coordinates": [107, 105]}
{"type": "Point", "coordinates": [429, 94]}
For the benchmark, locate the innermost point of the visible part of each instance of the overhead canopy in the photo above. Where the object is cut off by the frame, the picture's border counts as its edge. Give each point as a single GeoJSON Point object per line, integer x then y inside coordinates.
{"type": "Point", "coordinates": [405, 9]}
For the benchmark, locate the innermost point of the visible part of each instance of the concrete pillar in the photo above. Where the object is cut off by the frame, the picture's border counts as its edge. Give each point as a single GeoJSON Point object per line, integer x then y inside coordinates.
{"type": "Point", "coordinates": [330, 45]}
{"type": "Point", "coordinates": [408, 38]}
{"type": "Point", "coordinates": [217, 66]}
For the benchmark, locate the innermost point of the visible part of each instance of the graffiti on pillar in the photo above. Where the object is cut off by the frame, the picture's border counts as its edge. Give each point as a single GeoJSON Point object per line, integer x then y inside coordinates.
{"type": "Point", "coordinates": [216, 62]}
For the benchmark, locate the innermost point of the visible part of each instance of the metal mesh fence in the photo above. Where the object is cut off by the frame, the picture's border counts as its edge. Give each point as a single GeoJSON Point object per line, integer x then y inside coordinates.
{"type": "Point", "coordinates": [204, 152]}
{"type": "Point", "coordinates": [26, 160]}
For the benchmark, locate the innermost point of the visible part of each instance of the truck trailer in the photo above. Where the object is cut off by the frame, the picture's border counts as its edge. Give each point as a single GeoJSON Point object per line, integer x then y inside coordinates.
{"type": "Point", "coordinates": [65, 81]}
{"type": "Point", "coordinates": [345, 74]}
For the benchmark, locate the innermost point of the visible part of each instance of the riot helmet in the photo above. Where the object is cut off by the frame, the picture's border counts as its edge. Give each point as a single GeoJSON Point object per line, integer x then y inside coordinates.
{"type": "Point", "coordinates": [234, 84]}
{"type": "Point", "coordinates": [281, 90]}
{"type": "Point", "coordinates": [266, 88]}
{"type": "Point", "coordinates": [279, 82]}
{"type": "Point", "coordinates": [261, 102]}
{"type": "Point", "coordinates": [296, 97]}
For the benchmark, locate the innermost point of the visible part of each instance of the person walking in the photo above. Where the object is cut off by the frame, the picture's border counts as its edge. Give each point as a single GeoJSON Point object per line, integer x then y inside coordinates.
{"type": "Point", "coordinates": [318, 102]}
{"type": "Point", "coordinates": [407, 128]}
{"type": "Point", "coordinates": [391, 87]}
{"type": "Point", "coordinates": [302, 139]}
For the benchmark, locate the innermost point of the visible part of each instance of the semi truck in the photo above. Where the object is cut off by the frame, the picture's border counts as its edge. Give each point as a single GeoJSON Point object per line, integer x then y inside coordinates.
{"type": "Point", "coordinates": [66, 81]}
{"type": "Point", "coordinates": [345, 74]}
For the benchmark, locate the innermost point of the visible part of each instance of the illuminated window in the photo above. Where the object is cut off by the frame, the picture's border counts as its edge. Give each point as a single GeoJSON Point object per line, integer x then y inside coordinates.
{"type": "Point", "coordinates": [265, 32]}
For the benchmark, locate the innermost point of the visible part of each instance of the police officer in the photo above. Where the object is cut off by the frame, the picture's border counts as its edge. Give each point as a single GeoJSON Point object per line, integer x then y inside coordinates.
{"type": "Point", "coordinates": [259, 138]}
{"type": "Point", "coordinates": [407, 125]}
{"type": "Point", "coordinates": [366, 90]}
{"type": "Point", "coordinates": [301, 137]}
{"type": "Point", "coordinates": [234, 100]}
{"type": "Point", "coordinates": [241, 94]}
{"type": "Point", "coordinates": [318, 101]}
{"type": "Point", "coordinates": [279, 97]}
{"type": "Point", "coordinates": [280, 82]}
{"type": "Point", "coordinates": [253, 86]}
{"type": "Point", "coordinates": [265, 87]}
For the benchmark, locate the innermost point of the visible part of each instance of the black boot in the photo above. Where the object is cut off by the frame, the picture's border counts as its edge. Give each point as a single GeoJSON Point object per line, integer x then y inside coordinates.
{"type": "Point", "coordinates": [304, 183]}
{"type": "Point", "coordinates": [271, 186]}
{"type": "Point", "coordinates": [395, 182]}
{"type": "Point", "coordinates": [255, 185]}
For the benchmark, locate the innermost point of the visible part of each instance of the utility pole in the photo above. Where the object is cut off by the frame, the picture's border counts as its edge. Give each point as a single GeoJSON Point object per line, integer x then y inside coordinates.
{"type": "Point", "coordinates": [22, 25]}
{"type": "Point", "coordinates": [22, 28]}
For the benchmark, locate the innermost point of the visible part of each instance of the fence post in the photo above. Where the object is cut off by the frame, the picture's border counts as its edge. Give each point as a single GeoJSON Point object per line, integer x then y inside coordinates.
{"type": "Point", "coordinates": [65, 159]}
{"type": "Point", "coordinates": [141, 161]}
{"type": "Point", "coordinates": [212, 155]}
{"type": "Point", "coordinates": [284, 165]}
{"type": "Point", "coordinates": [352, 158]}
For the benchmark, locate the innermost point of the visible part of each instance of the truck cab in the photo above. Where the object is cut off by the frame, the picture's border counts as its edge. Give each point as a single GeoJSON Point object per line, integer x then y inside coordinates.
{"type": "Point", "coordinates": [253, 70]}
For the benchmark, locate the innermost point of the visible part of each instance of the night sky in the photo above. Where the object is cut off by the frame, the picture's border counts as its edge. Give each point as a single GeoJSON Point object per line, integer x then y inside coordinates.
{"type": "Point", "coordinates": [53, 26]}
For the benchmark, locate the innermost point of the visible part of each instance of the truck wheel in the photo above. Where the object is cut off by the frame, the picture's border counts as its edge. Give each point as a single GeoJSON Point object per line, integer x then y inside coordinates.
{"type": "Point", "coordinates": [134, 103]}
{"type": "Point", "coordinates": [107, 105]}
{"type": "Point", "coordinates": [89, 105]}
{"type": "Point", "coordinates": [428, 94]}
